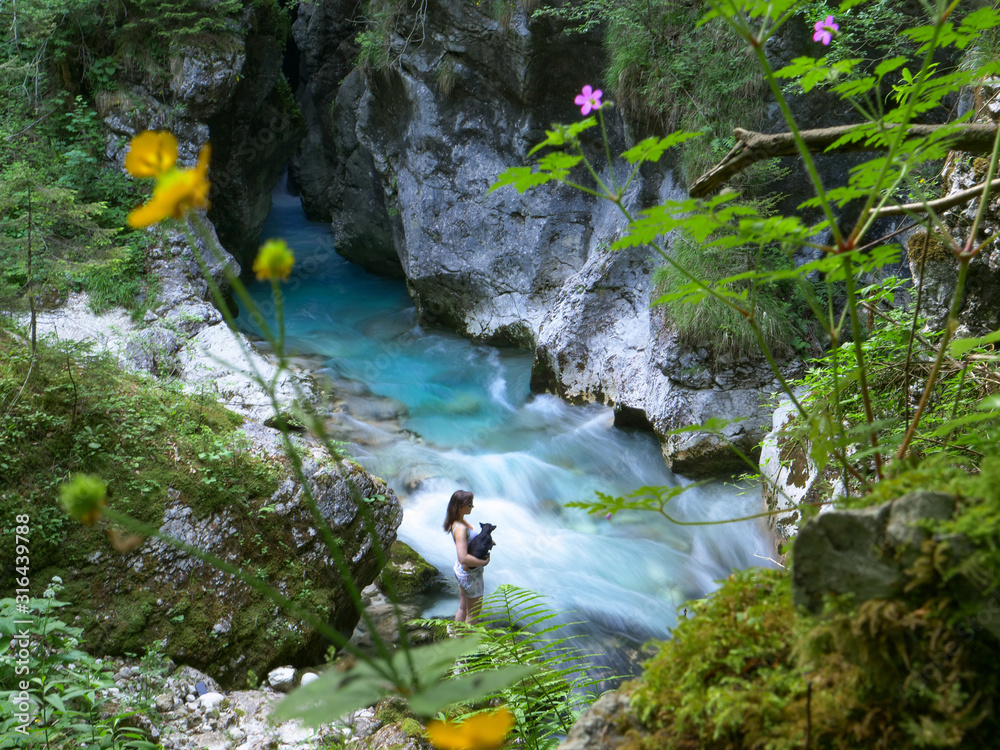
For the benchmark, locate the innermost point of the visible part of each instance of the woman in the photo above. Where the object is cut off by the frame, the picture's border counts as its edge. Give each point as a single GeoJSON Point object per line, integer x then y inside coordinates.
{"type": "Point", "coordinates": [468, 569]}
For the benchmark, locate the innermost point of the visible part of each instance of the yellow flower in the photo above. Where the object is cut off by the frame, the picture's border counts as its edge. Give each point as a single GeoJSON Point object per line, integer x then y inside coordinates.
{"type": "Point", "coordinates": [151, 154]}
{"type": "Point", "coordinates": [177, 191]}
{"type": "Point", "coordinates": [274, 261]}
{"type": "Point", "coordinates": [480, 732]}
{"type": "Point", "coordinates": [83, 497]}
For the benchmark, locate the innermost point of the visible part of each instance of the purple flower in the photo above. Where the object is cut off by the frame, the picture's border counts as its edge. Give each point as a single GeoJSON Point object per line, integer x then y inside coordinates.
{"type": "Point", "coordinates": [824, 30]}
{"type": "Point", "coordinates": [607, 517]}
{"type": "Point", "coordinates": [589, 100]}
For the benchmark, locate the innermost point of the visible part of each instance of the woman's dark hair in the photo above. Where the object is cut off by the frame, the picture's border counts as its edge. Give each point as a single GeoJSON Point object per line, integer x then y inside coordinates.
{"type": "Point", "coordinates": [459, 499]}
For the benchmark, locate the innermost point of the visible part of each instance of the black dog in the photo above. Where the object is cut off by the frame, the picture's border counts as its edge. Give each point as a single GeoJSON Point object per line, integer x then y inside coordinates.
{"type": "Point", "coordinates": [482, 543]}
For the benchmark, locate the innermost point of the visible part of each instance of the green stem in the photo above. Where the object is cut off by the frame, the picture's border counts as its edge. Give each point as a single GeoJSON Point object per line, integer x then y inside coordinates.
{"type": "Point", "coordinates": [958, 393]}
{"type": "Point", "coordinates": [864, 220]}
{"type": "Point", "coordinates": [764, 514]}
{"type": "Point", "coordinates": [913, 327]}
{"type": "Point", "coordinates": [607, 151]}
{"type": "Point", "coordinates": [859, 356]}
{"type": "Point", "coordinates": [613, 197]}
{"type": "Point", "coordinates": [290, 450]}
{"type": "Point", "coordinates": [804, 152]}
{"type": "Point", "coordinates": [279, 311]}
{"type": "Point", "coordinates": [583, 189]}
{"type": "Point", "coordinates": [964, 256]}
{"type": "Point", "coordinates": [949, 330]}
{"type": "Point", "coordinates": [984, 199]}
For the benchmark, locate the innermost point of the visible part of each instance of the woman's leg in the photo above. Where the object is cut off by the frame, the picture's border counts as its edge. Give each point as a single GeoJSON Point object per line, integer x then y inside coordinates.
{"type": "Point", "coordinates": [463, 606]}
{"type": "Point", "coordinates": [474, 605]}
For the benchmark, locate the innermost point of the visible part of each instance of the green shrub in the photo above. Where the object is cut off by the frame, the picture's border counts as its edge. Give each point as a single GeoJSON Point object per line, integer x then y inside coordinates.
{"type": "Point", "coordinates": [721, 330]}
{"type": "Point", "coordinates": [726, 676]}
{"type": "Point", "coordinates": [745, 669]}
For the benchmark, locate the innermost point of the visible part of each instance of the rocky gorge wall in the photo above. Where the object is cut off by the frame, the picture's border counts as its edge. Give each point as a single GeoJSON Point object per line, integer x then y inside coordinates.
{"type": "Point", "coordinates": [227, 90]}
{"type": "Point", "coordinates": [400, 162]}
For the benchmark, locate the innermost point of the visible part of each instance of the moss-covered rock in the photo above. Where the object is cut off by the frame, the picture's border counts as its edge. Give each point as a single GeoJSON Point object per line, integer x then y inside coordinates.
{"type": "Point", "coordinates": [177, 464]}
{"type": "Point", "coordinates": [211, 619]}
{"type": "Point", "coordinates": [406, 572]}
{"type": "Point", "coordinates": [400, 736]}
{"type": "Point", "coordinates": [392, 709]}
{"type": "Point", "coordinates": [399, 728]}
{"type": "Point", "coordinates": [889, 658]}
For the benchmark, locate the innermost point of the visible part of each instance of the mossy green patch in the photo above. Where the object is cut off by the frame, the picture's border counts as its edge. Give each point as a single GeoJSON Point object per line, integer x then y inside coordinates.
{"type": "Point", "coordinates": [70, 411]}
{"type": "Point", "coordinates": [406, 572]}
{"type": "Point", "coordinates": [727, 672]}
{"type": "Point", "coordinates": [748, 670]}
{"type": "Point", "coordinates": [927, 244]}
{"type": "Point", "coordinates": [393, 710]}
{"type": "Point", "coordinates": [412, 728]}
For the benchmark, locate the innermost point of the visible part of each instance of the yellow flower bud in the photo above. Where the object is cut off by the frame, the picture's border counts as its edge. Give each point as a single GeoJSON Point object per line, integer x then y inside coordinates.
{"type": "Point", "coordinates": [274, 261]}
{"type": "Point", "coordinates": [83, 496]}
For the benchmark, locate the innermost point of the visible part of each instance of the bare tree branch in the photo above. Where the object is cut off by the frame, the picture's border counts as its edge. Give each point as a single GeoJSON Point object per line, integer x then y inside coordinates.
{"type": "Point", "coordinates": [752, 147]}
{"type": "Point", "coordinates": [941, 203]}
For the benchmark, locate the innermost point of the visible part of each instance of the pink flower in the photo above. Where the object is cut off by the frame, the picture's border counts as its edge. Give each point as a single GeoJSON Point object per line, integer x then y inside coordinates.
{"type": "Point", "coordinates": [607, 517]}
{"type": "Point", "coordinates": [824, 30]}
{"type": "Point", "coordinates": [589, 100]}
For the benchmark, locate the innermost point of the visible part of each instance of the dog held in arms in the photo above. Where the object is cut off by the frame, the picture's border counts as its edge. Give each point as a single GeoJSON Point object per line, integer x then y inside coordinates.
{"type": "Point", "coordinates": [481, 544]}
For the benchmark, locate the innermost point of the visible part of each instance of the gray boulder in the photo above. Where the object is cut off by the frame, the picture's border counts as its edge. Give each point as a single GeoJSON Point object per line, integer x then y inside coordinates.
{"type": "Point", "coordinates": [862, 552]}
{"type": "Point", "coordinates": [603, 726]}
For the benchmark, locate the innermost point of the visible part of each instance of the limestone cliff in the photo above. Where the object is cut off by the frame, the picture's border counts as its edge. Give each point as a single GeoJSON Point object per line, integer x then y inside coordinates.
{"type": "Point", "coordinates": [400, 161]}
{"type": "Point", "coordinates": [227, 89]}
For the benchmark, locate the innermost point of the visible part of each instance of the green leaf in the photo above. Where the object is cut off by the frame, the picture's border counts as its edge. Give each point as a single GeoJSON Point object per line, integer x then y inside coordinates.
{"type": "Point", "coordinates": [714, 425]}
{"type": "Point", "coordinates": [430, 700]}
{"type": "Point", "coordinates": [960, 347]}
{"type": "Point", "coordinates": [560, 135]}
{"type": "Point", "coordinates": [887, 66]}
{"type": "Point", "coordinates": [854, 89]}
{"type": "Point", "coordinates": [800, 66]}
{"type": "Point", "coordinates": [431, 663]}
{"type": "Point", "coordinates": [558, 164]}
{"type": "Point", "coordinates": [334, 695]}
{"type": "Point", "coordinates": [644, 498]}
{"type": "Point", "coordinates": [652, 149]}
{"type": "Point", "coordinates": [54, 700]}
{"type": "Point", "coordinates": [522, 178]}
{"type": "Point", "coordinates": [963, 421]}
